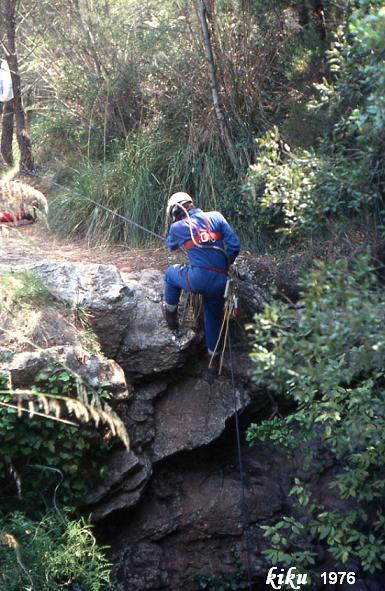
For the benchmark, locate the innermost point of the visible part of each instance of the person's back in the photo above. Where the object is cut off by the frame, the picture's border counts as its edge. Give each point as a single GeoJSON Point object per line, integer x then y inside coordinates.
{"type": "Point", "coordinates": [211, 245]}
{"type": "Point", "coordinates": [198, 232]}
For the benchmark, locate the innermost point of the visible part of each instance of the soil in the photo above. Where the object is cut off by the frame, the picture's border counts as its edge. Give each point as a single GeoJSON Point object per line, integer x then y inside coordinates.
{"type": "Point", "coordinates": [34, 243]}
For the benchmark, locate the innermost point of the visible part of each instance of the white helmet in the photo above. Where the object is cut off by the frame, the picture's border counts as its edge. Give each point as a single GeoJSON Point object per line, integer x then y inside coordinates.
{"type": "Point", "coordinates": [177, 199]}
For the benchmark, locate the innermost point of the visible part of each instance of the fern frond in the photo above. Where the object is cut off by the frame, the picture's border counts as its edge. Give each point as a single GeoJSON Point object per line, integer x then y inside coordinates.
{"type": "Point", "coordinates": [7, 539]}
{"type": "Point", "coordinates": [54, 407]}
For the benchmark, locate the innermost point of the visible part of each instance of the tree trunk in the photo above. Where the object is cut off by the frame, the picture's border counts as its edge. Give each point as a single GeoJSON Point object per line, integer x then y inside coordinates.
{"type": "Point", "coordinates": [319, 9]}
{"type": "Point", "coordinates": [224, 129]}
{"type": "Point", "coordinates": [88, 38]}
{"type": "Point", "coordinates": [27, 165]}
{"type": "Point", "coordinates": [303, 13]}
{"type": "Point", "coordinates": [7, 133]}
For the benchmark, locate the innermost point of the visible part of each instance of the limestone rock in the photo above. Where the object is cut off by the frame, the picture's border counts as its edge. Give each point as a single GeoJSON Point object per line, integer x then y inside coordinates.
{"type": "Point", "coordinates": [98, 288]}
{"type": "Point", "coordinates": [94, 369]}
{"type": "Point", "coordinates": [141, 568]}
{"type": "Point", "coordinates": [191, 414]}
{"type": "Point", "coordinates": [148, 346]}
{"type": "Point", "coordinates": [125, 314]}
{"type": "Point", "coordinates": [165, 418]}
{"type": "Point", "coordinates": [168, 416]}
{"type": "Point", "coordinates": [122, 486]}
{"type": "Point", "coordinates": [258, 275]}
{"type": "Point", "coordinates": [190, 516]}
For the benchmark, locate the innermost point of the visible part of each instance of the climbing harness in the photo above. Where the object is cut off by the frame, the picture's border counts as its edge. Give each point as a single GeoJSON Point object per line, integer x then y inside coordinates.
{"type": "Point", "coordinates": [202, 244]}
{"type": "Point", "coordinates": [203, 236]}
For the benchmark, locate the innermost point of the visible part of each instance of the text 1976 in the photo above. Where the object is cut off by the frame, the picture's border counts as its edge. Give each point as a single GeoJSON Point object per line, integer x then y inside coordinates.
{"type": "Point", "coordinates": [338, 578]}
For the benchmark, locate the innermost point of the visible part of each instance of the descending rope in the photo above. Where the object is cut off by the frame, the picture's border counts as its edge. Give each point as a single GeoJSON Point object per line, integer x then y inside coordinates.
{"type": "Point", "coordinates": [230, 309]}
{"type": "Point", "coordinates": [240, 464]}
{"type": "Point", "coordinates": [115, 213]}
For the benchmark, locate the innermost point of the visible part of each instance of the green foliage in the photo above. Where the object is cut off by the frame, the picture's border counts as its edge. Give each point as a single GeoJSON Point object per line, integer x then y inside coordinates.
{"type": "Point", "coordinates": [289, 544]}
{"type": "Point", "coordinates": [298, 190]}
{"type": "Point", "coordinates": [50, 461]}
{"type": "Point", "coordinates": [52, 554]}
{"type": "Point", "coordinates": [223, 582]}
{"type": "Point", "coordinates": [327, 357]}
{"type": "Point", "coordinates": [127, 183]}
{"type": "Point", "coordinates": [135, 182]}
{"type": "Point", "coordinates": [126, 116]}
{"type": "Point", "coordinates": [21, 288]}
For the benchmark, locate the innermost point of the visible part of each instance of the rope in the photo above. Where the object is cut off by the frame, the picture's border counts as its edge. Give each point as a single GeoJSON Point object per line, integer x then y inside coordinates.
{"type": "Point", "coordinates": [240, 464]}
{"type": "Point", "coordinates": [115, 213]}
{"type": "Point", "coordinates": [228, 311]}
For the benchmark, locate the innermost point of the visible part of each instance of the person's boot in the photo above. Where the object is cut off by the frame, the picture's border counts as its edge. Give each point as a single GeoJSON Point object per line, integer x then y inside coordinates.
{"type": "Point", "coordinates": [213, 370]}
{"type": "Point", "coordinates": [171, 317]}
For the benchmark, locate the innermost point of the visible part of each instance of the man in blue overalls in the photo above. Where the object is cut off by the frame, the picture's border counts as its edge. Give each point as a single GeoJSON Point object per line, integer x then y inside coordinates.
{"type": "Point", "coordinates": [211, 245]}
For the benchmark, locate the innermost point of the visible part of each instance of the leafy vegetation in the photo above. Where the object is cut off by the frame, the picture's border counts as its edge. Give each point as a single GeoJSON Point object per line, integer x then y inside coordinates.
{"type": "Point", "coordinates": [327, 357]}
{"type": "Point", "coordinates": [49, 461]}
{"type": "Point", "coordinates": [124, 114]}
{"type": "Point", "coordinates": [232, 581]}
{"type": "Point", "coordinates": [50, 455]}
{"type": "Point", "coordinates": [53, 554]}
{"type": "Point", "coordinates": [121, 112]}
{"type": "Point", "coordinates": [300, 192]}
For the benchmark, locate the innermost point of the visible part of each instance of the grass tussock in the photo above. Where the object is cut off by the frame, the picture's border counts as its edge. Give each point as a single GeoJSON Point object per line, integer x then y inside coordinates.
{"type": "Point", "coordinates": [136, 183]}
{"type": "Point", "coordinates": [30, 318]}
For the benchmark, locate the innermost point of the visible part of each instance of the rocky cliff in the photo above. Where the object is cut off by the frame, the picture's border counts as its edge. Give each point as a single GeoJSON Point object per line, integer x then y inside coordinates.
{"type": "Point", "coordinates": [173, 507]}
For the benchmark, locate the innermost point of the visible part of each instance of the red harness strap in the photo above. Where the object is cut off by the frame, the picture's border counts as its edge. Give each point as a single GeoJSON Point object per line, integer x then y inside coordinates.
{"type": "Point", "coordinates": [215, 269]}
{"type": "Point", "coordinates": [203, 237]}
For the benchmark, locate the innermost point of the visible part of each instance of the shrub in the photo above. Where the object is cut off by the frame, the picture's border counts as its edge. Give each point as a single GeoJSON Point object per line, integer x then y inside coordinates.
{"type": "Point", "coordinates": [327, 358]}
{"type": "Point", "coordinates": [44, 461]}
{"type": "Point", "coordinates": [53, 554]}
{"type": "Point", "coordinates": [297, 191]}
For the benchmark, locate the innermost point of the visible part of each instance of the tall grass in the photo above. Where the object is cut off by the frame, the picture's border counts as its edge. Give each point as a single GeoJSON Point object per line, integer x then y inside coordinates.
{"type": "Point", "coordinates": [126, 183]}
{"type": "Point", "coordinates": [136, 182]}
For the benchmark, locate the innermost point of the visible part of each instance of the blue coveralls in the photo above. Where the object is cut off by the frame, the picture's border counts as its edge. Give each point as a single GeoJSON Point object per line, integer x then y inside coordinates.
{"type": "Point", "coordinates": [206, 272]}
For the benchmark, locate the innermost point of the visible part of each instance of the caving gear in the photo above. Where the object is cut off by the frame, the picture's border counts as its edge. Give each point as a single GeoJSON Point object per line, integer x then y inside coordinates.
{"type": "Point", "coordinates": [206, 272]}
{"type": "Point", "coordinates": [175, 200]}
{"type": "Point", "coordinates": [231, 309]}
{"type": "Point", "coordinates": [212, 223]}
{"type": "Point", "coordinates": [6, 87]}
{"type": "Point", "coordinates": [9, 217]}
{"type": "Point", "coordinates": [201, 236]}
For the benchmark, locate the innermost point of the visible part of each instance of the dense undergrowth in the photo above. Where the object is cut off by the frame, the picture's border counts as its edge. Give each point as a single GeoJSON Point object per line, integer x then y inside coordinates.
{"type": "Point", "coordinates": [53, 553]}
{"type": "Point", "coordinates": [51, 452]}
{"type": "Point", "coordinates": [304, 190]}
{"type": "Point", "coordinates": [326, 354]}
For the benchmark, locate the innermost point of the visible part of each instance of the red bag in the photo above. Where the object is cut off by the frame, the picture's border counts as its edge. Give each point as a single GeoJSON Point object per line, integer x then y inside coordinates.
{"type": "Point", "coordinates": [6, 217]}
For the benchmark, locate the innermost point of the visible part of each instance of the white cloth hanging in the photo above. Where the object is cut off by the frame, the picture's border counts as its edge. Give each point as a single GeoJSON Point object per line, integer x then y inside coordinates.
{"type": "Point", "coordinates": [6, 89]}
